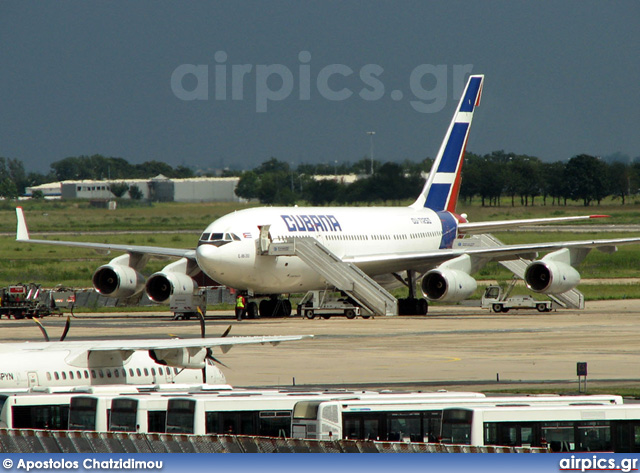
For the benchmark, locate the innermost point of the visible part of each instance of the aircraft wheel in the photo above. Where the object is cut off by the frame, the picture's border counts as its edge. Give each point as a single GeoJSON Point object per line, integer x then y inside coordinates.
{"type": "Point", "coordinates": [265, 308]}
{"type": "Point", "coordinates": [286, 304]}
{"type": "Point", "coordinates": [423, 306]}
{"type": "Point", "coordinates": [309, 314]}
{"type": "Point", "coordinates": [367, 316]}
{"type": "Point", "coordinates": [350, 314]}
{"type": "Point", "coordinates": [505, 310]}
{"type": "Point", "coordinates": [252, 310]}
{"type": "Point", "coordinates": [497, 308]}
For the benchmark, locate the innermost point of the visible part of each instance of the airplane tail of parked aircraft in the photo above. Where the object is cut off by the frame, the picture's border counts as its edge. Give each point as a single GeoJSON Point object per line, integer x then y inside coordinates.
{"type": "Point", "coordinates": [441, 189]}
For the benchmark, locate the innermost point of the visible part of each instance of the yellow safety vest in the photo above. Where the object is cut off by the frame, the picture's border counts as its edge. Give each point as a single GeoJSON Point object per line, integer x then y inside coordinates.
{"type": "Point", "coordinates": [240, 302]}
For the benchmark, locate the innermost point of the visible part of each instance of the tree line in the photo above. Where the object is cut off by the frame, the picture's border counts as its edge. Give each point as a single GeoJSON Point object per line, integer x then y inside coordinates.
{"type": "Point", "coordinates": [14, 179]}
{"type": "Point", "coordinates": [497, 178]}
{"type": "Point", "coordinates": [494, 178]}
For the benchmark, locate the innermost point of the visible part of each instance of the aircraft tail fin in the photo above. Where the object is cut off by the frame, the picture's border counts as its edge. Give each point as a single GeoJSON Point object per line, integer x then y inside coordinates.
{"type": "Point", "coordinates": [22, 234]}
{"type": "Point", "coordinates": [441, 189]}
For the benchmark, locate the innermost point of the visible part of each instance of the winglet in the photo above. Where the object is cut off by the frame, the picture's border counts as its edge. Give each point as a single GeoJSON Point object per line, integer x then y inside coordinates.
{"type": "Point", "coordinates": [22, 234]}
{"type": "Point", "coordinates": [441, 189]}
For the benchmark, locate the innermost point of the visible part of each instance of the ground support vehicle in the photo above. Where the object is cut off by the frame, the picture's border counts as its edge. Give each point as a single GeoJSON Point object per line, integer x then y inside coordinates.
{"type": "Point", "coordinates": [27, 301]}
{"type": "Point", "coordinates": [326, 304]}
{"type": "Point", "coordinates": [496, 299]}
{"type": "Point", "coordinates": [185, 306]}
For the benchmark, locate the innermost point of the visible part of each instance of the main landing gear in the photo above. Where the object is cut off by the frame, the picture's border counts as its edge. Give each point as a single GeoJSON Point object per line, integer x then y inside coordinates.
{"type": "Point", "coordinates": [411, 305]}
{"type": "Point", "coordinates": [272, 307]}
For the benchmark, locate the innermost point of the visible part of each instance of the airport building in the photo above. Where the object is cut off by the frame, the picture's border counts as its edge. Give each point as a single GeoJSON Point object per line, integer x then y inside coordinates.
{"type": "Point", "coordinates": [158, 189]}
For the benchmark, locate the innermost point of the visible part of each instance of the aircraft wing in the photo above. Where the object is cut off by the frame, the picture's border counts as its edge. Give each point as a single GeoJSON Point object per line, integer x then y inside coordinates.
{"type": "Point", "coordinates": [107, 352]}
{"type": "Point", "coordinates": [469, 228]}
{"type": "Point", "coordinates": [22, 234]}
{"type": "Point", "coordinates": [125, 345]}
{"type": "Point", "coordinates": [429, 259]}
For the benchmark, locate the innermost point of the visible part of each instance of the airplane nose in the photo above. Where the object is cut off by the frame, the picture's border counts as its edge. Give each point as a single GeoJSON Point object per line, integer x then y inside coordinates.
{"type": "Point", "coordinates": [206, 256]}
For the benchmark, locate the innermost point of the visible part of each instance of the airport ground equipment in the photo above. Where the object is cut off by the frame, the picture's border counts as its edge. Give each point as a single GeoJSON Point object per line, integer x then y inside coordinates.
{"type": "Point", "coordinates": [30, 300]}
{"type": "Point", "coordinates": [345, 277]}
{"type": "Point", "coordinates": [572, 299]}
{"type": "Point", "coordinates": [326, 303]}
{"type": "Point", "coordinates": [496, 299]}
{"type": "Point", "coordinates": [185, 306]}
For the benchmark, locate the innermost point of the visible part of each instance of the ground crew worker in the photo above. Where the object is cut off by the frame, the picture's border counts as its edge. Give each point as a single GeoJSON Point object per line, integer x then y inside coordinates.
{"type": "Point", "coordinates": [241, 303]}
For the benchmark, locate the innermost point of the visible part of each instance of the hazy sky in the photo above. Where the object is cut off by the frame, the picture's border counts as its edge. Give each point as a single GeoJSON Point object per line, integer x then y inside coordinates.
{"type": "Point", "coordinates": [210, 84]}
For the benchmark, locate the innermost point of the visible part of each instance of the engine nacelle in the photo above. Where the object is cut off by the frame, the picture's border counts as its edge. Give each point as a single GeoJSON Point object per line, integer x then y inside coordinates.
{"type": "Point", "coordinates": [191, 358]}
{"type": "Point", "coordinates": [448, 285]}
{"type": "Point", "coordinates": [116, 280]}
{"type": "Point", "coordinates": [551, 277]}
{"type": "Point", "coordinates": [163, 284]}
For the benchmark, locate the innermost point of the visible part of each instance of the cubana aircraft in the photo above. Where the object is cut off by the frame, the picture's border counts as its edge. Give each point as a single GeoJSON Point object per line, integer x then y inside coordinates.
{"type": "Point", "coordinates": [106, 362]}
{"type": "Point", "coordinates": [423, 243]}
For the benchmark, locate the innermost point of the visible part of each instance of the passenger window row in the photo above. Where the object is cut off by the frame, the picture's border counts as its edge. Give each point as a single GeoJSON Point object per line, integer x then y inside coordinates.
{"type": "Point", "coordinates": [108, 373]}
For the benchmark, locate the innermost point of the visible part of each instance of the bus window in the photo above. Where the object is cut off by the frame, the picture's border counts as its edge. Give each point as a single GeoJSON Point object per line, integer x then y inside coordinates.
{"type": "Point", "coordinates": [404, 426]}
{"type": "Point", "coordinates": [156, 421]}
{"type": "Point", "coordinates": [559, 435]}
{"type": "Point", "coordinates": [48, 417]}
{"type": "Point", "coordinates": [432, 425]}
{"type": "Point", "coordinates": [180, 416]}
{"type": "Point", "coordinates": [456, 426]}
{"type": "Point", "coordinates": [274, 424]}
{"type": "Point", "coordinates": [123, 415]}
{"type": "Point", "coordinates": [307, 410]}
{"type": "Point", "coordinates": [595, 436]}
{"type": "Point", "coordinates": [82, 413]}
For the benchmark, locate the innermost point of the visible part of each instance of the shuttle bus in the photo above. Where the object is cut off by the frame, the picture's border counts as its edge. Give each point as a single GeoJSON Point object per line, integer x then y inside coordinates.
{"type": "Point", "coordinates": [409, 419]}
{"type": "Point", "coordinates": [139, 413]}
{"type": "Point", "coordinates": [266, 414]}
{"type": "Point", "coordinates": [569, 428]}
{"type": "Point", "coordinates": [44, 408]}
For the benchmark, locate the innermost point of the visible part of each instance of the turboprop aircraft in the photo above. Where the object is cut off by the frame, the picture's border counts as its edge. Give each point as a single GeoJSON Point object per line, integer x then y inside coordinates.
{"type": "Point", "coordinates": [100, 362]}
{"type": "Point", "coordinates": [423, 243]}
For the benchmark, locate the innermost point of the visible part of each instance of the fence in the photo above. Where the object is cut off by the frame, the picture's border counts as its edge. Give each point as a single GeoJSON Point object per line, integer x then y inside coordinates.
{"type": "Point", "coordinates": [45, 441]}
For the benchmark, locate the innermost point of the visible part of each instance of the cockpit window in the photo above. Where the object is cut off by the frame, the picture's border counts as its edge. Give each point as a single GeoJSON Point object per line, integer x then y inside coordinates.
{"type": "Point", "coordinates": [218, 239]}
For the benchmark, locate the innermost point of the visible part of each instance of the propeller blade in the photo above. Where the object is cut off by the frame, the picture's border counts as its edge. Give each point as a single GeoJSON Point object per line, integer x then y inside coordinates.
{"type": "Point", "coordinates": [226, 332]}
{"type": "Point", "coordinates": [67, 325]}
{"type": "Point", "coordinates": [42, 329]}
{"type": "Point", "coordinates": [201, 315]}
{"type": "Point", "coordinates": [214, 359]}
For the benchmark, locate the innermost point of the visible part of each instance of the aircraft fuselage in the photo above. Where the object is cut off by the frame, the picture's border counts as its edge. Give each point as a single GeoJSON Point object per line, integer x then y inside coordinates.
{"type": "Point", "coordinates": [228, 249]}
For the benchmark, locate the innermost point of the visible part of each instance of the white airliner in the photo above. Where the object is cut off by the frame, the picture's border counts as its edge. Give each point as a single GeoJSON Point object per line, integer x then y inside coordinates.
{"type": "Point", "coordinates": [100, 362]}
{"type": "Point", "coordinates": [423, 242]}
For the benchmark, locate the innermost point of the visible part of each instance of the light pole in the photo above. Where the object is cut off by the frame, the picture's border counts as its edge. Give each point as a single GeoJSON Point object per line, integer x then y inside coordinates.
{"type": "Point", "coordinates": [371, 133]}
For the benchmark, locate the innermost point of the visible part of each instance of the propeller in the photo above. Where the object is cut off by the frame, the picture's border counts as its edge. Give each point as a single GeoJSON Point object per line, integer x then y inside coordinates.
{"type": "Point", "coordinates": [44, 330]}
{"type": "Point", "coordinates": [209, 354]}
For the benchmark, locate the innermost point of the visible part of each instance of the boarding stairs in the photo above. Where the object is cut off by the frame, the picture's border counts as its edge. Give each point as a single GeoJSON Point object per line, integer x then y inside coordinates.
{"type": "Point", "coordinates": [572, 299]}
{"type": "Point", "coordinates": [346, 277]}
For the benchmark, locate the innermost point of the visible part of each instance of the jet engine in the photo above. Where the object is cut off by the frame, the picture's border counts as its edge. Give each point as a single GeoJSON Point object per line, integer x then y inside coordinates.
{"type": "Point", "coordinates": [191, 358]}
{"type": "Point", "coordinates": [552, 274]}
{"type": "Point", "coordinates": [118, 279]}
{"type": "Point", "coordinates": [172, 280]}
{"type": "Point", "coordinates": [447, 285]}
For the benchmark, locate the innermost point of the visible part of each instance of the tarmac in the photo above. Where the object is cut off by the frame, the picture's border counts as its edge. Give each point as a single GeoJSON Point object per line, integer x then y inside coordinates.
{"type": "Point", "coordinates": [453, 348]}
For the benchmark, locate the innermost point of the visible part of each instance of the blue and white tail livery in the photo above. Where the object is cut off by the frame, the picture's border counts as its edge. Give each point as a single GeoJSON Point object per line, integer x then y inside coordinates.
{"type": "Point", "coordinates": [441, 189]}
